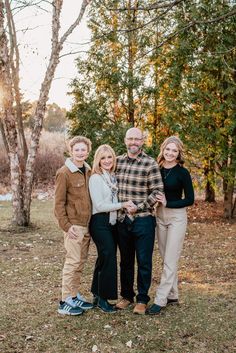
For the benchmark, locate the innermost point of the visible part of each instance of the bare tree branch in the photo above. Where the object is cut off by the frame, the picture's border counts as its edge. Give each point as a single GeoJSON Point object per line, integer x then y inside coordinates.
{"type": "Point", "coordinates": [77, 21]}
{"type": "Point", "coordinates": [73, 53]}
{"type": "Point", "coordinates": [156, 6]}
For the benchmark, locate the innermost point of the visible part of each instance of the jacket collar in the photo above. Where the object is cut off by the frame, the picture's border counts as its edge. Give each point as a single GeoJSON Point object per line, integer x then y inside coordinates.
{"type": "Point", "coordinates": [73, 168]}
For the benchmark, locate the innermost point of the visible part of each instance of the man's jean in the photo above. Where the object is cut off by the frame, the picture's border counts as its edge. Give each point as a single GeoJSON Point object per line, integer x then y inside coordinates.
{"type": "Point", "coordinates": [136, 238]}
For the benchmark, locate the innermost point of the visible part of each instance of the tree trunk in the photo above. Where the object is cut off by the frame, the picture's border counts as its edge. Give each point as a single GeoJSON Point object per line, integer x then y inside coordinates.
{"type": "Point", "coordinates": [15, 72]}
{"type": "Point", "coordinates": [8, 123]}
{"type": "Point", "coordinates": [234, 208]}
{"type": "Point", "coordinates": [4, 136]}
{"type": "Point", "coordinates": [209, 175]}
{"type": "Point", "coordinates": [131, 55]}
{"type": "Point", "coordinates": [228, 189]}
{"type": "Point", "coordinates": [228, 202]}
{"type": "Point", "coordinates": [210, 195]}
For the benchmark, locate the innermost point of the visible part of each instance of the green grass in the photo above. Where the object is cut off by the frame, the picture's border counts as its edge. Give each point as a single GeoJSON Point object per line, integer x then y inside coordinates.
{"type": "Point", "coordinates": [30, 277]}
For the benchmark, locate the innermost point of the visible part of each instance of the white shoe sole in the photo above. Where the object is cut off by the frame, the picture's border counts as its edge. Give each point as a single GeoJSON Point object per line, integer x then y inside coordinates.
{"type": "Point", "coordinates": [64, 312]}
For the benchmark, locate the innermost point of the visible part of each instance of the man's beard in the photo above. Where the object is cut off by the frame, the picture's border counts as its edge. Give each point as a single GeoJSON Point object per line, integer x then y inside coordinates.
{"type": "Point", "coordinates": [134, 149]}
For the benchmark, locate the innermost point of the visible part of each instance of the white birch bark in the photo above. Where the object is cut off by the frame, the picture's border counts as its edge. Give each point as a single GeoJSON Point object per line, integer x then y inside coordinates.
{"type": "Point", "coordinates": [8, 121]}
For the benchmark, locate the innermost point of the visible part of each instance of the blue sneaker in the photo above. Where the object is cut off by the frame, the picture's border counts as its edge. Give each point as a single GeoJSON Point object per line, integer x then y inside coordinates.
{"type": "Point", "coordinates": [68, 309]}
{"type": "Point", "coordinates": [81, 302]}
{"type": "Point", "coordinates": [154, 309]}
{"type": "Point", "coordinates": [105, 306]}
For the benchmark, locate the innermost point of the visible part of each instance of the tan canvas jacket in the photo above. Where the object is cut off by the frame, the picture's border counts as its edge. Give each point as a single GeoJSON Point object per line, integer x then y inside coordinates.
{"type": "Point", "coordinates": [72, 205]}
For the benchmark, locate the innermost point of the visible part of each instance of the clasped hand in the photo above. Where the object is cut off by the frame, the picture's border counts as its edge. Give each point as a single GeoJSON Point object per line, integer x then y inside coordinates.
{"type": "Point", "coordinates": [162, 199]}
{"type": "Point", "coordinates": [130, 206]}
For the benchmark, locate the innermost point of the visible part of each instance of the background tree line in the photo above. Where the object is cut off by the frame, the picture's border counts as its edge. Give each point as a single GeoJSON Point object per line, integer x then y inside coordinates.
{"type": "Point", "coordinates": [169, 67]}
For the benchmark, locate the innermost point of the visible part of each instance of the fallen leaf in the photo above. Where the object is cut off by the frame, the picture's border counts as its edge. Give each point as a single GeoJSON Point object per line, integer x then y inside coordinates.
{"type": "Point", "coordinates": [129, 344]}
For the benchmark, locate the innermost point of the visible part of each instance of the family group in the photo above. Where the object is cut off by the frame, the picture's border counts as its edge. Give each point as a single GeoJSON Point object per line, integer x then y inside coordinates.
{"type": "Point", "coordinates": [123, 203]}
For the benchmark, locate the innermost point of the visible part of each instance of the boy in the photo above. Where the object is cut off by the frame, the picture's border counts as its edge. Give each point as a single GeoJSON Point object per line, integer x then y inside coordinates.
{"type": "Point", "coordinates": [73, 210]}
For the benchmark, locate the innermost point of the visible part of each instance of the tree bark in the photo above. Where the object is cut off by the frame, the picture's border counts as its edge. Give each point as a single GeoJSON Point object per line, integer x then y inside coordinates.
{"type": "Point", "coordinates": [228, 200]}
{"type": "Point", "coordinates": [9, 125]}
{"type": "Point", "coordinates": [15, 72]}
{"type": "Point", "coordinates": [210, 195]}
{"type": "Point", "coordinates": [228, 189]}
{"type": "Point", "coordinates": [131, 56]}
{"type": "Point", "coordinates": [209, 172]}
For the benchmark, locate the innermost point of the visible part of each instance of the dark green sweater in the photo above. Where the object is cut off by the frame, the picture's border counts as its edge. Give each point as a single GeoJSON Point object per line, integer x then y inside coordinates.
{"type": "Point", "coordinates": [178, 187]}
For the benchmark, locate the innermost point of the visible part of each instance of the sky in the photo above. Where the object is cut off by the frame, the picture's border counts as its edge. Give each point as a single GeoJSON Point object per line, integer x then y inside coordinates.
{"type": "Point", "coordinates": [34, 38]}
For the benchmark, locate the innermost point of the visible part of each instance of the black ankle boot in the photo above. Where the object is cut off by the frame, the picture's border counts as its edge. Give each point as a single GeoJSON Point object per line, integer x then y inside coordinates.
{"type": "Point", "coordinates": [105, 306]}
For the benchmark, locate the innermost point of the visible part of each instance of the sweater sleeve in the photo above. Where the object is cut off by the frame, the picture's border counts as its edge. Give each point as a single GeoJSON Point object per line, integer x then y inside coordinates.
{"type": "Point", "coordinates": [188, 199]}
{"type": "Point", "coordinates": [60, 202]}
{"type": "Point", "coordinates": [100, 196]}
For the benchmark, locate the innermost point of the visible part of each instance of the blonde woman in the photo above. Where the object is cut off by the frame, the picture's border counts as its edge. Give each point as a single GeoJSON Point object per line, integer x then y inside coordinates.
{"type": "Point", "coordinates": [171, 219]}
{"type": "Point", "coordinates": [103, 191]}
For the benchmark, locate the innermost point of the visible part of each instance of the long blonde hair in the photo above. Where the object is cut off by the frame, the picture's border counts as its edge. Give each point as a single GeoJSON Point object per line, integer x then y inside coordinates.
{"type": "Point", "coordinates": [179, 144]}
{"type": "Point", "coordinates": [98, 156]}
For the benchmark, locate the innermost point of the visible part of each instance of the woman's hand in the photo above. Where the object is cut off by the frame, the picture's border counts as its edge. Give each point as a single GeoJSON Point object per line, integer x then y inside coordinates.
{"type": "Point", "coordinates": [162, 199]}
{"type": "Point", "coordinates": [129, 206]}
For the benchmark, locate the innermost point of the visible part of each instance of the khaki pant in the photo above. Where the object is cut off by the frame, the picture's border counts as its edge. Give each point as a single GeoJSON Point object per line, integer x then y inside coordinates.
{"type": "Point", "coordinates": [171, 229]}
{"type": "Point", "coordinates": [76, 256]}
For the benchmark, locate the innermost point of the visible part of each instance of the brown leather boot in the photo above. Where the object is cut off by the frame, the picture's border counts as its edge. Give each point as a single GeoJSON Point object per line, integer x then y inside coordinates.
{"type": "Point", "coordinates": [123, 304]}
{"type": "Point", "coordinates": [140, 308]}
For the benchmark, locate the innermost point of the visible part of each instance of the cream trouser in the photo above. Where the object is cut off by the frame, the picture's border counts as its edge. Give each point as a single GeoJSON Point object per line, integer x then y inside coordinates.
{"type": "Point", "coordinates": [171, 229]}
{"type": "Point", "coordinates": [76, 256]}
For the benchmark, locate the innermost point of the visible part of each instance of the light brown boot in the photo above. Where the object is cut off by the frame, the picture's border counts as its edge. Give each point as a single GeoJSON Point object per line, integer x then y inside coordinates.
{"type": "Point", "coordinates": [140, 308]}
{"type": "Point", "coordinates": [123, 304]}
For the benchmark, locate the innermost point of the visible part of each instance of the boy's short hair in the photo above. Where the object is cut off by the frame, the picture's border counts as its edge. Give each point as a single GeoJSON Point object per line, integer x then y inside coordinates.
{"type": "Point", "coordinates": [78, 139]}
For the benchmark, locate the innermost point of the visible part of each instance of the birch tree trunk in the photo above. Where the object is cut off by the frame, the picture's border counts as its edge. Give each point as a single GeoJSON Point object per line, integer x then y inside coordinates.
{"type": "Point", "coordinates": [22, 180]}
{"type": "Point", "coordinates": [15, 74]}
{"type": "Point", "coordinates": [8, 120]}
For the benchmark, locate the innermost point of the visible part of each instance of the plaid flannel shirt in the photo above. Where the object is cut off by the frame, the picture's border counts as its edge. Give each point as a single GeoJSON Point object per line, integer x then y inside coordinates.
{"type": "Point", "coordinates": [139, 180]}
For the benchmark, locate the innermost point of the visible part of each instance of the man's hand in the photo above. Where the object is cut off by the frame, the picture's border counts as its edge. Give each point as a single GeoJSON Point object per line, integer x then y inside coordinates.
{"type": "Point", "coordinates": [130, 206]}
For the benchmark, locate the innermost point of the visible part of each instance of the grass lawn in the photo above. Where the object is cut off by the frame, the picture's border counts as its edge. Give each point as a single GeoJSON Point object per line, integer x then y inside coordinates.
{"type": "Point", "coordinates": [30, 278]}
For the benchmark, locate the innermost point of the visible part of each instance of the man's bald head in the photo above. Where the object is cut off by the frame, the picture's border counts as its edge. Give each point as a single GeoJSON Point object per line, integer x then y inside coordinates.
{"type": "Point", "coordinates": [134, 132]}
{"type": "Point", "coordinates": [134, 141]}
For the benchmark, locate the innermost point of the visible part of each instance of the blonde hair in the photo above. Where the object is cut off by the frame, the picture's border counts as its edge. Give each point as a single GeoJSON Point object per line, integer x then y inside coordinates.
{"type": "Point", "coordinates": [98, 156]}
{"type": "Point", "coordinates": [79, 139]}
{"type": "Point", "coordinates": [179, 144]}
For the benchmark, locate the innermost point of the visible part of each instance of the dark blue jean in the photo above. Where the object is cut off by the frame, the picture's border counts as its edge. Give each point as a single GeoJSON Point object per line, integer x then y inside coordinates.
{"type": "Point", "coordinates": [137, 239]}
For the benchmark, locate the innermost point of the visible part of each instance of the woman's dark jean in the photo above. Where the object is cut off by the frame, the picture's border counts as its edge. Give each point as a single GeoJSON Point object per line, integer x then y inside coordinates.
{"type": "Point", "coordinates": [136, 238]}
{"type": "Point", "coordinates": [104, 235]}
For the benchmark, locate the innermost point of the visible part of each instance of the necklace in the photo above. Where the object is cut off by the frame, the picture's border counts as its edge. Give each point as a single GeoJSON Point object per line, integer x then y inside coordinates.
{"type": "Point", "coordinates": [165, 173]}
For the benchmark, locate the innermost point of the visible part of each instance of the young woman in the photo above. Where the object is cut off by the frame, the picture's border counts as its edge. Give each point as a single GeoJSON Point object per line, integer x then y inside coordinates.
{"type": "Point", "coordinates": [72, 209]}
{"type": "Point", "coordinates": [103, 192]}
{"type": "Point", "coordinates": [171, 219]}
